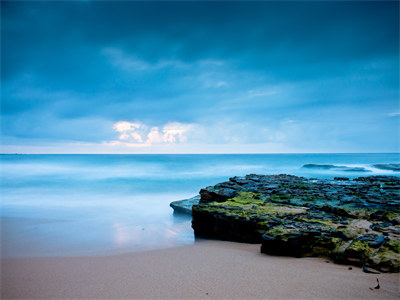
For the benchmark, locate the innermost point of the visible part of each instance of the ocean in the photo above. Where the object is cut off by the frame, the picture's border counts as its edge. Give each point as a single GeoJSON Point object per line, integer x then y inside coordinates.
{"type": "Point", "coordinates": [86, 205]}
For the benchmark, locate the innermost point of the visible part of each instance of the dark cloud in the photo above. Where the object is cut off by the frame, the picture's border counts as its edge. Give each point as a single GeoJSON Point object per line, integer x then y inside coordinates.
{"type": "Point", "coordinates": [64, 36]}
{"type": "Point", "coordinates": [194, 62]}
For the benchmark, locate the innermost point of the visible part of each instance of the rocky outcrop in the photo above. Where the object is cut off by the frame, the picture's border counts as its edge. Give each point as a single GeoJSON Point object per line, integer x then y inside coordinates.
{"type": "Point", "coordinates": [351, 221]}
{"type": "Point", "coordinates": [185, 206]}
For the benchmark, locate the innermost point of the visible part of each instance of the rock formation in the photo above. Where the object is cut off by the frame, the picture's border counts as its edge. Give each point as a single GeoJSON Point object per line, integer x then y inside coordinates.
{"type": "Point", "coordinates": [351, 221]}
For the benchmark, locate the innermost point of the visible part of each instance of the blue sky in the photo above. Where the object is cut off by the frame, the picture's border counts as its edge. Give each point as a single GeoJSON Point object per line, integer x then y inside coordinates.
{"type": "Point", "coordinates": [199, 77]}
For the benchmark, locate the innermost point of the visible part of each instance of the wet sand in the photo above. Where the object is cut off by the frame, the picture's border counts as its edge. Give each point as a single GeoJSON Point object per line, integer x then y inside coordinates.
{"type": "Point", "coordinates": [207, 269]}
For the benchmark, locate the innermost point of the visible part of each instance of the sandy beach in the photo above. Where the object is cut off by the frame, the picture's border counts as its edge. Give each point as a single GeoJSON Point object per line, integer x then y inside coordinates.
{"type": "Point", "coordinates": [207, 269]}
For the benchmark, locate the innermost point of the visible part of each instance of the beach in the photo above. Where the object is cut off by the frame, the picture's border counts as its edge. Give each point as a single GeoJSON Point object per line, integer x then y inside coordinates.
{"type": "Point", "coordinates": [199, 149]}
{"type": "Point", "coordinates": [100, 226]}
{"type": "Point", "coordinates": [206, 269]}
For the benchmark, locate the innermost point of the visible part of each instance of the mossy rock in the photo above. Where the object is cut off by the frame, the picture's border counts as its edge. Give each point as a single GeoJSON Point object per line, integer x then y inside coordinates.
{"type": "Point", "coordinates": [289, 215]}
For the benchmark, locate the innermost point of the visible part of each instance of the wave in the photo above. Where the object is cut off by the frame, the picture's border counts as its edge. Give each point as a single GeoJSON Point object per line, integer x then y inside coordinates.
{"type": "Point", "coordinates": [394, 167]}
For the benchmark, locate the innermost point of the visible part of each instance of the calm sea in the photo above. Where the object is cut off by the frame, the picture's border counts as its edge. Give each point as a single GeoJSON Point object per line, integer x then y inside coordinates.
{"type": "Point", "coordinates": [69, 205]}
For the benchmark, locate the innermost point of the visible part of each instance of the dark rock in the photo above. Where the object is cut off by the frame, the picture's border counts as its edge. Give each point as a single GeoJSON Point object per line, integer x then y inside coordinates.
{"type": "Point", "coordinates": [395, 221]}
{"type": "Point", "coordinates": [296, 216]}
{"type": "Point", "coordinates": [335, 210]}
{"type": "Point", "coordinates": [239, 180]}
{"type": "Point", "coordinates": [379, 178]}
{"type": "Point", "coordinates": [216, 195]}
{"type": "Point", "coordinates": [185, 206]}
{"type": "Point", "coordinates": [366, 270]}
{"type": "Point", "coordinates": [380, 226]}
{"type": "Point", "coordinates": [373, 240]}
{"type": "Point", "coordinates": [341, 178]}
{"type": "Point", "coordinates": [295, 245]}
{"type": "Point", "coordinates": [274, 246]}
{"type": "Point", "coordinates": [230, 227]}
{"type": "Point", "coordinates": [379, 215]}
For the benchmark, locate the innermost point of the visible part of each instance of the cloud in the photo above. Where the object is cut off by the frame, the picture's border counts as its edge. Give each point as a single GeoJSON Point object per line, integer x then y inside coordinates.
{"type": "Point", "coordinates": [129, 131]}
{"type": "Point", "coordinates": [154, 136]}
{"type": "Point", "coordinates": [226, 73]}
{"type": "Point", "coordinates": [120, 60]}
{"type": "Point", "coordinates": [123, 126]}
{"type": "Point", "coordinates": [140, 134]}
{"type": "Point", "coordinates": [394, 114]}
{"type": "Point", "coordinates": [123, 60]}
{"type": "Point", "coordinates": [137, 137]}
{"type": "Point", "coordinates": [176, 132]}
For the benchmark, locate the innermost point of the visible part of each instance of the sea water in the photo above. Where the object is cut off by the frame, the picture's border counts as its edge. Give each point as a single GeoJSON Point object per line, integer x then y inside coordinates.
{"type": "Point", "coordinates": [76, 205]}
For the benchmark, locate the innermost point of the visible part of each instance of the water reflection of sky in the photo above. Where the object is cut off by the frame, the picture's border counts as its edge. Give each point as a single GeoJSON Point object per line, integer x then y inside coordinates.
{"type": "Point", "coordinates": [96, 232]}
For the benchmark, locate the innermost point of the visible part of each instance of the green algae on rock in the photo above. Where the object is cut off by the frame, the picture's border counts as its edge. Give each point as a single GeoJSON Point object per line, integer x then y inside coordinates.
{"type": "Point", "coordinates": [351, 221]}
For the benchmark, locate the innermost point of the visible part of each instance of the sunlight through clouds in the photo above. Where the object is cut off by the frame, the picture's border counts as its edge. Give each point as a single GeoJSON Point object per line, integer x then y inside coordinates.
{"type": "Point", "coordinates": [139, 134]}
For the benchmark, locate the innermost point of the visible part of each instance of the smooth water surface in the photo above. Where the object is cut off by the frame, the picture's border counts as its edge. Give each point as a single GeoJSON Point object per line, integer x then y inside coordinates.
{"type": "Point", "coordinates": [68, 205]}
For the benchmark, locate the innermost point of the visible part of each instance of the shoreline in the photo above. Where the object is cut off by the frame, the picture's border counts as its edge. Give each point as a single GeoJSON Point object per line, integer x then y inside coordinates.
{"type": "Point", "coordinates": [207, 269]}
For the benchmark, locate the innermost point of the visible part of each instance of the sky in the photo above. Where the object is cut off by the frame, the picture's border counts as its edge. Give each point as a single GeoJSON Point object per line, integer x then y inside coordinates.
{"type": "Point", "coordinates": [199, 77]}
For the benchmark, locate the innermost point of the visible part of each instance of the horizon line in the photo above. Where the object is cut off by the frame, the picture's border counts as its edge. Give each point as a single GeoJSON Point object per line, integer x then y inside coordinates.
{"type": "Point", "coordinates": [233, 153]}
